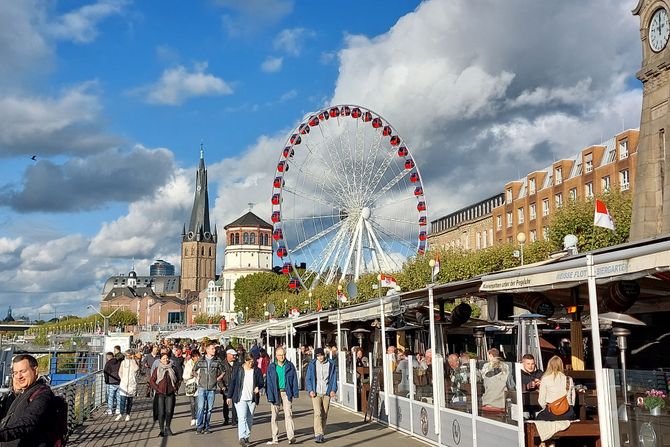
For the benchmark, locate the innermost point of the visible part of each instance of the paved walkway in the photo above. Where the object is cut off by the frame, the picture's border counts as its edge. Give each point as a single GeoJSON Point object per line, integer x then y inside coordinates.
{"type": "Point", "coordinates": [345, 429]}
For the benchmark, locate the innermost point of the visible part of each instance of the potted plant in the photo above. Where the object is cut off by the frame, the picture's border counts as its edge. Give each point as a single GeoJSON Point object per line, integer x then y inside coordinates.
{"type": "Point", "coordinates": [655, 401]}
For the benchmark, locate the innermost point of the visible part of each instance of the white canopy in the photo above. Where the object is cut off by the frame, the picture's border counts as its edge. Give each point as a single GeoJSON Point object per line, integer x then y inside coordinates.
{"type": "Point", "coordinates": [196, 333]}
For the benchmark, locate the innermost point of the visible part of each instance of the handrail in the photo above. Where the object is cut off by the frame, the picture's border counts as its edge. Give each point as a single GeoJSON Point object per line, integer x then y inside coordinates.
{"type": "Point", "coordinates": [83, 395]}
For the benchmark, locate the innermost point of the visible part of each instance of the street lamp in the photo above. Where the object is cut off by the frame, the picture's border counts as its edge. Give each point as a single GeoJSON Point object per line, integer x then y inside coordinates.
{"type": "Point", "coordinates": [105, 317]}
{"type": "Point", "coordinates": [339, 294]}
{"type": "Point", "coordinates": [309, 309]}
{"type": "Point", "coordinates": [431, 263]}
{"type": "Point", "coordinates": [521, 239]}
{"type": "Point", "coordinates": [285, 301]}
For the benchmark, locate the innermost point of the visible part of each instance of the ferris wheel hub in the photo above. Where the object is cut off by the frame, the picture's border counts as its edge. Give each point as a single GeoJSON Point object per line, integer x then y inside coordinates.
{"type": "Point", "coordinates": [365, 213]}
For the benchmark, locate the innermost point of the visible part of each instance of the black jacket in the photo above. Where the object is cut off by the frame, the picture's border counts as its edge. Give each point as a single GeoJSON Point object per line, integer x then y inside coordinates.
{"type": "Point", "coordinates": [207, 376]}
{"type": "Point", "coordinates": [111, 371]}
{"type": "Point", "coordinates": [237, 382]}
{"type": "Point", "coordinates": [228, 373]}
{"type": "Point", "coordinates": [27, 421]}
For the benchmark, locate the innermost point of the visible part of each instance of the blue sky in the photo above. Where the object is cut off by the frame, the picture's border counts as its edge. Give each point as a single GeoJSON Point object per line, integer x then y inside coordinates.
{"type": "Point", "coordinates": [114, 98]}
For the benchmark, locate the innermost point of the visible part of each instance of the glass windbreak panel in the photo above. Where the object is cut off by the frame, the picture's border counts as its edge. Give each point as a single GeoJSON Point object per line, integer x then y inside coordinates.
{"type": "Point", "coordinates": [496, 390]}
{"type": "Point", "coordinates": [423, 378]}
{"type": "Point", "coordinates": [350, 364]}
{"type": "Point", "coordinates": [457, 387]}
{"type": "Point", "coordinates": [643, 414]}
{"type": "Point", "coordinates": [401, 376]}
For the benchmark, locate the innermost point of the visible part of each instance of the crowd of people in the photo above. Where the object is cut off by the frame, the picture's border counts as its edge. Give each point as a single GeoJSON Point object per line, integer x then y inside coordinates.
{"type": "Point", "coordinates": [202, 371]}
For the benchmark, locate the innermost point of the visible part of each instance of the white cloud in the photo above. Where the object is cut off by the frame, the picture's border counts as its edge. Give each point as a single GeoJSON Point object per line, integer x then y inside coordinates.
{"type": "Point", "coordinates": [178, 84]}
{"type": "Point", "coordinates": [272, 64]}
{"type": "Point", "coordinates": [458, 95]}
{"type": "Point", "coordinates": [8, 245]}
{"type": "Point", "coordinates": [150, 225]}
{"type": "Point", "coordinates": [251, 16]}
{"type": "Point", "coordinates": [67, 124]}
{"type": "Point", "coordinates": [81, 25]}
{"type": "Point", "coordinates": [292, 40]}
{"type": "Point", "coordinates": [288, 95]}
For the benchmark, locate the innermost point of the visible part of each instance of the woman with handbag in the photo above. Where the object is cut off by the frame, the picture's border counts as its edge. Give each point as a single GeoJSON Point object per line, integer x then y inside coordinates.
{"type": "Point", "coordinates": [191, 385]}
{"type": "Point", "coordinates": [557, 393]}
{"type": "Point", "coordinates": [164, 382]}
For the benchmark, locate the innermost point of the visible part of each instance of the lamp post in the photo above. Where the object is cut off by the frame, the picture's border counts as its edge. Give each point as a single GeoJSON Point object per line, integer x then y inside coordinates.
{"type": "Point", "coordinates": [105, 317]}
{"type": "Point", "coordinates": [309, 309]}
{"type": "Point", "coordinates": [339, 292]}
{"type": "Point", "coordinates": [521, 239]}
{"type": "Point", "coordinates": [246, 314]}
{"type": "Point", "coordinates": [265, 310]}
{"type": "Point", "coordinates": [285, 301]}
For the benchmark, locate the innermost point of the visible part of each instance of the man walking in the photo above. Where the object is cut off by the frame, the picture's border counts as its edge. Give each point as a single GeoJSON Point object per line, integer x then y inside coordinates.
{"type": "Point", "coordinates": [210, 372]}
{"type": "Point", "coordinates": [281, 389]}
{"type": "Point", "coordinates": [228, 368]}
{"type": "Point", "coordinates": [321, 383]}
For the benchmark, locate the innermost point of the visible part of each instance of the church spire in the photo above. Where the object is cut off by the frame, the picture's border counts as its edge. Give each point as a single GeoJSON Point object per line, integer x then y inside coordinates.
{"type": "Point", "coordinates": [199, 227]}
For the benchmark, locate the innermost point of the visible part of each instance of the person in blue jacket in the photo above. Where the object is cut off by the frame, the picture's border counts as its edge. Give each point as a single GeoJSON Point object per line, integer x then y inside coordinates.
{"type": "Point", "coordinates": [281, 388]}
{"type": "Point", "coordinates": [321, 383]}
{"type": "Point", "coordinates": [244, 391]}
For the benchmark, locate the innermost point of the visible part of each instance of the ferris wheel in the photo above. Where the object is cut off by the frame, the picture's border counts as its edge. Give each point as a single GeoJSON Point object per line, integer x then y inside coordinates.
{"type": "Point", "coordinates": [347, 198]}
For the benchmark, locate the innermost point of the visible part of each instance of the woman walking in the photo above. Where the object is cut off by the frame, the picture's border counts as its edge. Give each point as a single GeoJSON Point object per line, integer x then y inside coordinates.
{"type": "Point", "coordinates": [244, 391]}
{"type": "Point", "coordinates": [191, 385]}
{"type": "Point", "coordinates": [128, 386]}
{"type": "Point", "coordinates": [163, 382]}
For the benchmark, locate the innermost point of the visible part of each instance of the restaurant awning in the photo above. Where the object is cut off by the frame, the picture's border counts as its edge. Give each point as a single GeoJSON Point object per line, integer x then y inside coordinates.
{"type": "Point", "coordinates": [630, 261]}
{"type": "Point", "coordinates": [368, 310]}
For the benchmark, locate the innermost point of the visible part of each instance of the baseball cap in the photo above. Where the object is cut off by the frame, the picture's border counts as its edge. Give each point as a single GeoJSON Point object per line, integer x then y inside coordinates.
{"type": "Point", "coordinates": [318, 351]}
{"type": "Point", "coordinates": [231, 351]}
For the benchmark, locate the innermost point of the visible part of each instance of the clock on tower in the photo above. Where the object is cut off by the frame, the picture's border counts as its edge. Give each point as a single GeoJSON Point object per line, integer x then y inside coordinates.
{"type": "Point", "coordinates": [651, 193]}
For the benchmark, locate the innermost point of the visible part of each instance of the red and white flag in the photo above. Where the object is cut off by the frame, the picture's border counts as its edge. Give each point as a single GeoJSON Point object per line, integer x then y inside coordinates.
{"type": "Point", "coordinates": [388, 281]}
{"type": "Point", "coordinates": [341, 296]}
{"type": "Point", "coordinates": [602, 217]}
{"type": "Point", "coordinates": [436, 267]}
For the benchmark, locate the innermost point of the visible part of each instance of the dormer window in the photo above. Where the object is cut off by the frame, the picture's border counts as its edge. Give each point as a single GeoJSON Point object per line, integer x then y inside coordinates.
{"type": "Point", "coordinates": [558, 175]}
{"type": "Point", "coordinates": [588, 163]}
{"type": "Point", "coordinates": [623, 149]}
{"type": "Point", "coordinates": [531, 186]}
{"type": "Point", "coordinates": [508, 195]}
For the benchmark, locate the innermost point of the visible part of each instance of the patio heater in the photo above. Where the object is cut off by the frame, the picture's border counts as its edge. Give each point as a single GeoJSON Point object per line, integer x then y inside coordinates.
{"type": "Point", "coordinates": [360, 334]}
{"type": "Point", "coordinates": [480, 342]}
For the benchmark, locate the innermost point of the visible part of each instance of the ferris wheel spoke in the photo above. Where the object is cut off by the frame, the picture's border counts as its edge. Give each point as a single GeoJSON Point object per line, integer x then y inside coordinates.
{"type": "Point", "coordinates": [315, 237]}
{"type": "Point", "coordinates": [392, 202]}
{"type": "Point", "coordinates": [373, 180]}
{"type": "Point", "coordinates": [319, 265]}
{"type": "Point", "coordinates": [336, 188]}
{"type": "Point", "coordinates": [312, 197]}
{"type": "Point", "coordinates": [373, 249]}
{"type": "Point", "coordinates": [389, 185]}
{"type": "Point", "coordinates": [394, 219]}
{"type": "Point", "coordinates": [377, 246]}
{"type": "Point", "coordinates": [314, 217]}
{"type": "Point", "coordinates": [341, 247]}
{"type": "Point", "coordinates": [339, 165]}
{"type": "Point", "coordinates": [352, 246]}
{"type": "Point", "coordinates": [393, 235]}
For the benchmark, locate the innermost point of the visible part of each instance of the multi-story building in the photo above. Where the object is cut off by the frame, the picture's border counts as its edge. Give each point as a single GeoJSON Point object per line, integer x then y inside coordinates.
{"type": "Point", "coordinates": [161, 268]}
{"type": "Point", "coordinates": [529, 202]}
{"type": "Point", "coordinates": [470, 228]}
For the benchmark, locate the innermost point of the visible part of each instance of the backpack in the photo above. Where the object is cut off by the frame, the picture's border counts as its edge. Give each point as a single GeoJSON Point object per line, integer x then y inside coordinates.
{"type": "Point", "coordinates": [57, 431]}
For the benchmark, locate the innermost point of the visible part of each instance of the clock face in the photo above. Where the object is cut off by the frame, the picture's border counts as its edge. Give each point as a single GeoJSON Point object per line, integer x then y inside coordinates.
{"type": "Point", "coordinates": [659, 30]}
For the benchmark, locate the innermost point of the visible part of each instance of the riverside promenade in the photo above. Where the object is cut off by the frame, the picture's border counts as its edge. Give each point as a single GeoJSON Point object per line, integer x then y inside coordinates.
{"type": "Point", "coordinates": [344, 429]}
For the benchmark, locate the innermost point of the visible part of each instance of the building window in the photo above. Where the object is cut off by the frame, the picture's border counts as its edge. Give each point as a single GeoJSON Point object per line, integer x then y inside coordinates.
{"type": "Point", "coordinates": [237, 238]}
{"type": "Point", "coordinates": [623, 149]}
{"type": "Point", "coordinates": [509, 239]}
{"type": "Point", "coordinates": [478, 243]}
{"type": "Point", "coordinates": [491, 236]}
{"type": "Point", "coordinates": [509, 195]}
{"type": "Point", "coordinates": [532, 210]}
{"type": "Point", "coordinates": [588, 163]}
{"type": "Point", "coordinates": [573, 194]}
{"type": "Point", "coordinates": [232, 239]}
{"type": "Point", "coordinates": [252, 238]}
{"type": "Point", "coordinates": [531, 186]}
{"type": "Point", "coordinates": [533, 235]}
{"type": "Point", "coordinates": [520, 215]}
{"type": "Point", "coordinates": [545, 233]}
{"type": "Point", "coordinates": [624, 180]}
{"type": "Point", "coordinates": [499, 222]}
{"type": "Point", "coordinates": [558, 175]}
{"type": "Point", "coordinates": [484, 242]}
{"type": "Point", "coordinates": [588, 190]}
{"type": "Point", "coordinates": [545, 207]}
{"type": "Point", "coordinates": [605, 183]}
{"type": "Point", "coordinates": [558, 199]}
{"type": "Point", "coordinates": [509, 219]}
{"type": "Point", "coordinates": [245, 238]}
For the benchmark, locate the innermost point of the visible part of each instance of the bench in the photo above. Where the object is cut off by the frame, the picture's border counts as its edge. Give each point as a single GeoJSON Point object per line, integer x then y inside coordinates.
{"type": "Point", "coordinates": [582, 429]}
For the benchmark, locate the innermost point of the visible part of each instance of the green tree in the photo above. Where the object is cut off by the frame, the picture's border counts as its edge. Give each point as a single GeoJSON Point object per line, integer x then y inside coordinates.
{"type": "Point", "coordinates": [253, 290]}
{"type": "Point", "coordinates": [123, 318]}
{"type": "Point", "coordinates": [576, 218]}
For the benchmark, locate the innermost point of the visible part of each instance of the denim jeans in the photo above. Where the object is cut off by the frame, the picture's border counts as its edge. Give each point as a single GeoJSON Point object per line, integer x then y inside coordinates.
{"type": "Point", "coordinates": [126, 404]}
{"type": "Point", "coordinates": [113, 398]}
{"type": "Point", "coordinates": [205, 406]}
{"type": "Point", "coordinates": [245, 417]}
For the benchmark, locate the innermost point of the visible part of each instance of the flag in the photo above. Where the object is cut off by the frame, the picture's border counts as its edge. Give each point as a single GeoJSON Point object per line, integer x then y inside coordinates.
{"type": "Point", "coordinates": [388, 281]}
{"type": "Point", "coordinates": [319, 308]}
{"type": "Point", "coordinates": [341, 296]}
{"type": "Point", "coordinates": [436, 267]}
{"type": "Point", "coordinates": [602, 217]}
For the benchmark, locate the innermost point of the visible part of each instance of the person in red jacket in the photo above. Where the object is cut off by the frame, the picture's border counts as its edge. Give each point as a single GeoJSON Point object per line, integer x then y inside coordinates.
{"type": "Point", "coordinates": [164, 382]}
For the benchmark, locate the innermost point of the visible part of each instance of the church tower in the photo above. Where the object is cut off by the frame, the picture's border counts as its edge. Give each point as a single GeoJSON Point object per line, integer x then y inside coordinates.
{"type": "Point", "coordinates": [651, 199]}
{"type": "Point", "coordinates": [198, 246]}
